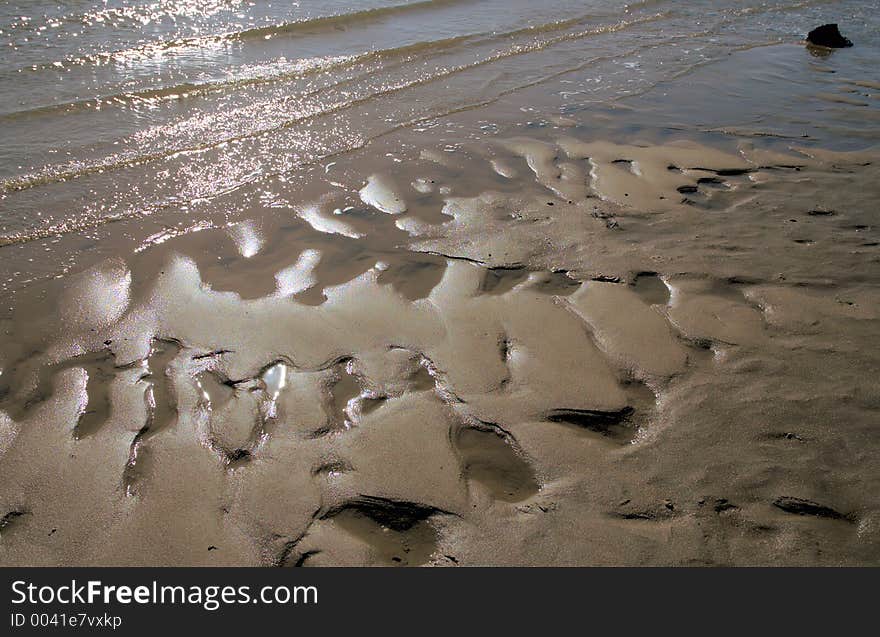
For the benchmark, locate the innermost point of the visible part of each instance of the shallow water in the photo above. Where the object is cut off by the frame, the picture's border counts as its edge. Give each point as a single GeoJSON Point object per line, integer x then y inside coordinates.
{"type": "Point", "coordinates": [124, 109]}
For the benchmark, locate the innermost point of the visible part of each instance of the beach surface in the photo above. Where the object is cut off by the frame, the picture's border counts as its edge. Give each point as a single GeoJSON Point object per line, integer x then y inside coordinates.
{"type": "Point", "coordinates": [525, 284]}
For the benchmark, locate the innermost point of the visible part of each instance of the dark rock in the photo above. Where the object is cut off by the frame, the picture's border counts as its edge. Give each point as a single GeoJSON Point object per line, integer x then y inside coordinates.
{"type": "Point", "coordinates": [828, 36]}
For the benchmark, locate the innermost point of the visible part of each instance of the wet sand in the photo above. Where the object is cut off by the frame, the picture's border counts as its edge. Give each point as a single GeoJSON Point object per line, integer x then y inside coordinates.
{"type": "Point", "coordinates": [514, 336]}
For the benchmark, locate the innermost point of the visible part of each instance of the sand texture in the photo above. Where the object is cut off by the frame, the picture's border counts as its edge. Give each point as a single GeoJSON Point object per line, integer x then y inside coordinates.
{"type": "Point", "coordinates": [628, 354]}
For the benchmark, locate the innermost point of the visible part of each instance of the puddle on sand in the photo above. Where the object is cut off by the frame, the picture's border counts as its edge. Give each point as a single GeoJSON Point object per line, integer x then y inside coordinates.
{"type": "Point", "coordinates": [651, 288]}
{"type": "Point", "coordinates": [489, 459]}
{"type": "Point", "coordinates": [406, 545]}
